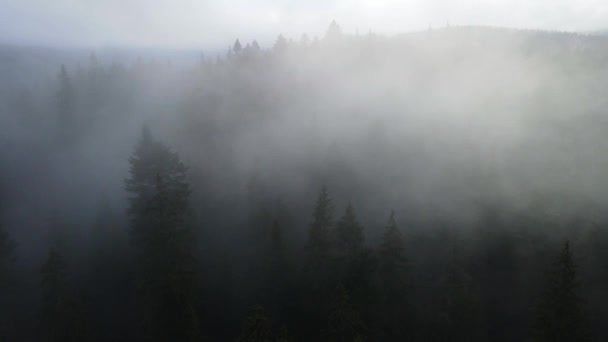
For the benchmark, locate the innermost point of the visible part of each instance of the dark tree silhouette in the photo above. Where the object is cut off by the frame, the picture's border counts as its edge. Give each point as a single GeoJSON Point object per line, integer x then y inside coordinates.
{"type": "Point", "coordinates": [319, 240]}
{"type": "Point", "coordinates": [460, 309]}
{"type": "Point", "coordinates": [7, 247]}
{"type": "Point", "coordinates": [561, 315]}
{"type": "Point", "coordinates": [349, 235]}
{"type": "Point", "coordinates": [55, 311]}
{"type": "Point", "coordinates": [393, 272]}
{"type": "Point", "coordinates": [319, 269]}
{"type": "Point", "coordinates": [344, 323]}
{"type": "Point", "coordinates": [160, 231]}
{"type": "Point", "coordinates": [65, 102]}
{"type": "Point", "coordinates": [237, 48]}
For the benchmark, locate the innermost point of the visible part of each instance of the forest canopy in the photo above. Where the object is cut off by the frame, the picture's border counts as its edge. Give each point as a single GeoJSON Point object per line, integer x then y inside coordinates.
{"type": "Point", "coordinates": [441, 185]}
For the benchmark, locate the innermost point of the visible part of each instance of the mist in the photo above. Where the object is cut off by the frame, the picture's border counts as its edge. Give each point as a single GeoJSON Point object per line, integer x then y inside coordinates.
{"type": "Point", "coordinates": [413, 182]}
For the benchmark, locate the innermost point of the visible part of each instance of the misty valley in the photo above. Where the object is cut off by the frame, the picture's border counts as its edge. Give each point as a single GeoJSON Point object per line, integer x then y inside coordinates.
{"type": "Point", "coordinates": [448, 184]}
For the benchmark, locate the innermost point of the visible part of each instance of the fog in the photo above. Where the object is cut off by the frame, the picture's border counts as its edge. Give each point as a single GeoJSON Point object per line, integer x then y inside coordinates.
{"type": "Point", "coordinates": [487, 144]}
{"type": "Point", "coordinates": [210, 24]}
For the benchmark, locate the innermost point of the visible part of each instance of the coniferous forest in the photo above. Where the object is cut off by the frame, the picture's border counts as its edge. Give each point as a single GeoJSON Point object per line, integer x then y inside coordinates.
{"type": "Point", "coordinates": [442, 185]}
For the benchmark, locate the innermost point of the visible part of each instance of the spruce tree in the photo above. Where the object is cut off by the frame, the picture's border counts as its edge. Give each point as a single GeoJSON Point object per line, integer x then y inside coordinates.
{"type": "Point", "coordinates": [237, 47]}
{"type": "Point", "coordinates": [393, 264]}
{"type": "Point", "coordinates": [55, 310]}
{"type": "Point", "coordinates": [393, 276]}
{"type": "Point", "coordinates": [280, 46]}
{"type": "Point", "coordinates": [163, 238]}
{"type": "Point", "coordinates": [349, 234]}
{"type": "Point", "coordinates": [460, 308]}
{"type": "Point", "coordinates": [319, 241]}
{"type": "Point", "coordinates": [7, 247]}
{"type": "Point", "coordinates": [65, 101]}
{"type": "Point", "coordinates": [334, 32]}
{"type": "Point", "coordinates": [319, 269]}
{"type": "Point", "coordinates": [344, 322]}
{"type": "Point", "coordinates": [255, 46]}
{"type": "Point", "coordinates": [560, 316]}
{"type": "Point", "coordinates": [6, 259]}
{"type": "Point", "coordinates": [355, 265]}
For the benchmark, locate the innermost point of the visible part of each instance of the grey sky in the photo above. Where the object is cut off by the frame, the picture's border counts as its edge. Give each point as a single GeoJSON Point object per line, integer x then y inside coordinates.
{"type": "Point", "coordinates": [205, 23]}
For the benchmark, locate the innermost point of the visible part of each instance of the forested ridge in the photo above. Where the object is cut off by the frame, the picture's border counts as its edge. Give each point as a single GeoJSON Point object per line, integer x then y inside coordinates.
{"type": "Point", "coordinates": [443, 185]}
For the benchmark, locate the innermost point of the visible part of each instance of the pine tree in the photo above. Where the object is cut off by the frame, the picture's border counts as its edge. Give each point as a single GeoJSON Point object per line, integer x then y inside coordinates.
{"type": "Point", "coordinates": [320, 229]}
{"type": "Point", "coordinates": [349, 234]}
{"type": "Point", "coordinates": [280, 46]}
{"type": "Point", "coordinates": [158, 210]}
{"type": "Point", "coordinates": [355, 265]}
{"type": "Point", "coordinates": [393, 261]}
{"type": "Point", "coordinates": [6, 258]}
{"type": "Point", "coordinates": [318, 266]}
{"type": "Point", "coordinates": [7, 247]}
{"type": "Point", "coordinates": [255, 46]}
{"type": "Point", "coordinates": [334, 32]}
{"type": "Point", "coordinates": [65, 100]}
{"type": "Point", "coordinates": [237, 47]}
{"type": "Point", "coordinates": [344, 323]}
{"type": "Point", "coordinates": [560, 316]}
{"type": "Point", "coordinates": [55, 308]}
{"type": "Point", "coordinates": [460, 306]}
{"type": "Point", "coordinates": [393, 276]}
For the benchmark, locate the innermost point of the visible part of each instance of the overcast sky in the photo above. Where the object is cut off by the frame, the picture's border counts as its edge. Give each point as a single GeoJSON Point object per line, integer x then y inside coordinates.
{"type": "Point", "coordinates": [215, 23]}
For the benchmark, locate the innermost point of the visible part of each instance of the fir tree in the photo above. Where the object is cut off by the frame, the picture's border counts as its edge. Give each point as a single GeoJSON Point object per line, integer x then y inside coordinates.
{"type": "Point", "coordinates": [349, 234]}
{"type": "Point", "coordinates": [255, 46]}
{"type": "Point", "coordinates": [65, 100]}
{"type": "Point", "coordinates": [460, 307]}
{"type": "Point", "coordinates": [354, 264]}
{"type": "Point", "coordinates": [394, 282]}
{"type": "Point", "coordinates": [320, 229]}
{"type": "Point", "coordinates": [6, 259]}
{"type": "Point", "coordinates": [393, 261]}
{"type": "Point", "coordinates": [237, 47]}
{"type": "Point", "coordinates": [334, 32]}
{"type": "Point", "coordinates": [7, 247]}
{"type": "Point", "coordinates": [319, 266]}
{"type": "Point", "coordinates": [158, 210]}
{"type": "Point", "coordinates": [280, 46]}
{"type": "Point", "coordinates": [344, 323]}
{"type": "Point", "coordinates": [560, 317]}
{"type": "Point", "coordinates": [55, 307]}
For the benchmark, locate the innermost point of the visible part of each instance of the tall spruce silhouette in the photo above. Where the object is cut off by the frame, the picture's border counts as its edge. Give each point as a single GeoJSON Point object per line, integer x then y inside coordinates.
{"type": "Point", "coordinates": [55, 309]}
{"type": "Point", "coordinates": [7, 247]}
{"type": "Point", "coordinates": [66, 103]}
{"type": "Point", "coordinates": [163, 238]}
{"type": "Point", "coordinates": [319, 234]}
{"type": "Point", "coordinates": [393, 272]}
{"type": "Point", "coordinates": [560, 316]}
{"type": "Point", "coordinates": [318, 275]}
{"type": "Point", "coordinates": [349, 234]}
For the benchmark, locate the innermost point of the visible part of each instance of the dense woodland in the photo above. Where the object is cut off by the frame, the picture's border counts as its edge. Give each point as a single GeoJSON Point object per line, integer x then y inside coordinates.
{"type": "Point", "coordinates": [445, 185]}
